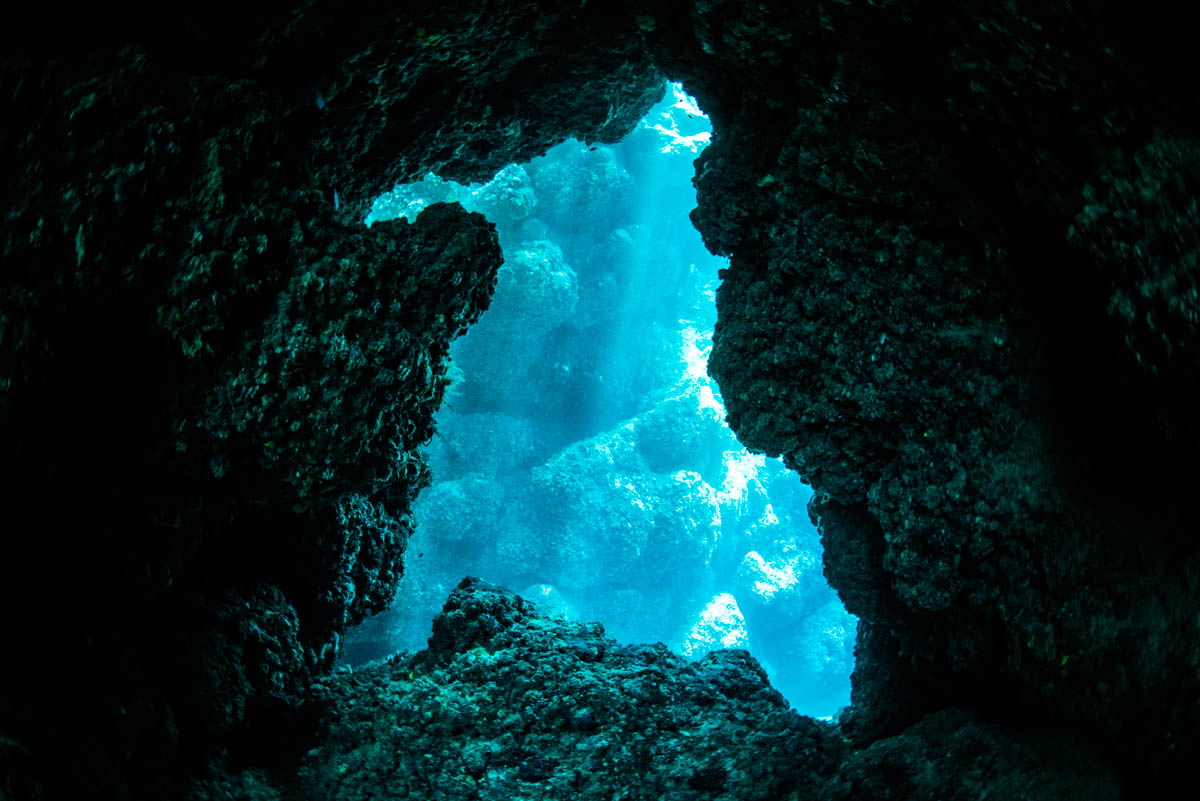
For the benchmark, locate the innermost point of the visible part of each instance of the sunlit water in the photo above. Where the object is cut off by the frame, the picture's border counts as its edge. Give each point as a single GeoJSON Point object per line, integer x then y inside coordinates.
{"type": "Point", "coordinates": [582, 457]}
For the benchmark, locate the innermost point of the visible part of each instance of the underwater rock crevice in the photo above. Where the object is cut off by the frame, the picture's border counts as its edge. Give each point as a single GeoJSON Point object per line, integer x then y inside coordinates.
{"type": "Point", "coordinates": [904, 319]}
{"type": "Point", "coordinates": [213, 380]}
{"type": "Point", "coordinates": [229, 377]}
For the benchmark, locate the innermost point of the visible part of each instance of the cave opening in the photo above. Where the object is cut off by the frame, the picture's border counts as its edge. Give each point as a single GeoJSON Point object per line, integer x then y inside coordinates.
{"type": "Point", "coordinates": [582, 456]}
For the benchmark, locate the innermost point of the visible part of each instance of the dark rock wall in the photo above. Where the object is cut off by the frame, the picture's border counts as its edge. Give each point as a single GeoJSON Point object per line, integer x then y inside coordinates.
{"type": "Point", "coordinates": [961, 283]}
{"type": "Point", "coordinates": [962, 303]}
{"type": "Point", "coordinates": [507, 703]}
{"type": "Point", "coordinates": [214, 376]}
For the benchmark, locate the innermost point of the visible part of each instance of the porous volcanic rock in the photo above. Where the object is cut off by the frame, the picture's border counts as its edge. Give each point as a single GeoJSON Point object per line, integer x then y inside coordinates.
{"type": "Point", "coordinates": [961, 302]}
{"type": "Point", "coordinates": [942, 257]}
{"type": "Point", "coordinates": [506, 703]}
{"type": "Point", "coordinates": [213, 378]}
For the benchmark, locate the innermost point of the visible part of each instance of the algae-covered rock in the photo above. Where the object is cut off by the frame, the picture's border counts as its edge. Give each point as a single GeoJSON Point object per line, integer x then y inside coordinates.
{"type": "Point", "coordinates": [985, 761]}
{"type": "Point", "coordinates": [222, 368]}
{"type": "Point", "coordinates": [509, 704]}
{"type": "Point", "coordinates": [1140, 224]}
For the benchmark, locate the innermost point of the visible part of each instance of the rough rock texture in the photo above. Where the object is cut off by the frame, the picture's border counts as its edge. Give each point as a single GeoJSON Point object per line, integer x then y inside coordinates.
{"type": "Point", "coordinates": [539, 290]}
{"type": "Point", "coordinates": [213, 377]}
{"type": "Point", "coordinates": [962, 302]}
{"type": "Point", "coordinates": [984, 761]}
{"type": "Point", "coordinates": [927, 312]}
{"type": "Point", "coordinates": [1139, 223]}
{"type": "Point", "coordinates": [507, 704]}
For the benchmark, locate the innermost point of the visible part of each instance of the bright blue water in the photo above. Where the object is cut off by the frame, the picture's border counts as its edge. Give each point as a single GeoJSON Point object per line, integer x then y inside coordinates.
{"type": "Point", "coordinates": [582, 457]}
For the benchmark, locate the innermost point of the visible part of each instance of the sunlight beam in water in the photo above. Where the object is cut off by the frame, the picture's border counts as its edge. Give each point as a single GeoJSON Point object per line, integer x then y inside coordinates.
{"type": "Point", "coordinates": [582, 457]}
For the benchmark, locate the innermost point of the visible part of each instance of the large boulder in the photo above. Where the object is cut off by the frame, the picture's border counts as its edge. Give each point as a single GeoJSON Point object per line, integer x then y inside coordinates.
{"type": "Point", "coordinates": [536, 291]}
{"type": "Point", "coordinates": [606, 524]}
{"type": "Point", "coordinates": [507, 703]}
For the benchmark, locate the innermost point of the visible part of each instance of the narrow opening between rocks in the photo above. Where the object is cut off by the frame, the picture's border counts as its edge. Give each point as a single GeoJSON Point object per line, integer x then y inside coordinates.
{"type": "Point", "coordinates": [582, 457]}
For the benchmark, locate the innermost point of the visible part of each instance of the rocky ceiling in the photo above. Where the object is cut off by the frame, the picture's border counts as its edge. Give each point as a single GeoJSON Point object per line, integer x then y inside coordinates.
{"type": "Point", "coordinates": [962, 302]}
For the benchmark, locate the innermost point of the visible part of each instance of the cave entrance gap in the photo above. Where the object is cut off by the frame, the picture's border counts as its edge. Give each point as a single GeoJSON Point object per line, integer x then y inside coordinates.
{"type": "Point", "coordinates": [582, 457]}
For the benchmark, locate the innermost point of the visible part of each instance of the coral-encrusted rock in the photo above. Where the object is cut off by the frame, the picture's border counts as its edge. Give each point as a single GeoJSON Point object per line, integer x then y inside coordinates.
{"type": "Point", "coordinates": [508, 704]}
{"type": "Point", "coordinates": [463, 91]}
{"type": "Point", "coordinates": [719, 625]}
{"type": "Point", "coordinates": [606, 524]}
{"type": "Point", "coordinates": [905, 320]}
{"type": "Point", "coordinates": [1141, 224]}
{"type": "Point", "coordinates": [684, 431]}
{"type": "Point", "coordinates": [212, 376]}
{"type": "Point", "coordinates": [536, 291]}
{"type": "Point", "coordinates": [507, 200]}
{"type": "Point", "coordinates": [312, 391]}
{"type": "Point", "coordinates": [984, 761]}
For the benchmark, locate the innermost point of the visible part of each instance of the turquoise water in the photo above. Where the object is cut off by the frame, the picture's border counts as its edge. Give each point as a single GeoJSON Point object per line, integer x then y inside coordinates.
{"type": "Point", "coordinates": [582, 457]}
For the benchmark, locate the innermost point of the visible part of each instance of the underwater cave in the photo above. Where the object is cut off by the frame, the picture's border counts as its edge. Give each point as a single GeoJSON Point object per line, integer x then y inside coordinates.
{"type": "Point", "coordinates": [580, 454]}
{"type": "Point", "coordinates": [946, 297]}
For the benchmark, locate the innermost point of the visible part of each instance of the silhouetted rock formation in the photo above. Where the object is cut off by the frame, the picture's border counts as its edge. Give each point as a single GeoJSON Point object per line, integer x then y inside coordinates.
{"type": "Point", "coordinates": [962, 302]}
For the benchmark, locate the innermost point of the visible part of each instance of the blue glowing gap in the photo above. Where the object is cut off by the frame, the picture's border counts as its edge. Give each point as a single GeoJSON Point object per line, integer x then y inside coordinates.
{"type": "Point", "coordinates": [582, 456]}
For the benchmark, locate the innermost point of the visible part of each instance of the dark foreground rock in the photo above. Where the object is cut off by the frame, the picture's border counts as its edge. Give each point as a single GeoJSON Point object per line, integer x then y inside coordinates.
{"type": "Point", "coordinates": [961, 301]}
{"type": "Point", "coordinates": [509, 704]}
{"type": "Point", "coordinates": [214, 378]}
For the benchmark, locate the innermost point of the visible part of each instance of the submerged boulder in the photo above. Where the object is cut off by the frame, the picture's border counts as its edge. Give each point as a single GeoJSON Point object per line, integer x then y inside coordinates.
{"type": "Point", "coordinates": [508, 704]}
{"type": "Point", "coordinates": [718, 626]}
{"type": "Point", "coordinates": [536, 291]}
{"type": "Point", "coordinates": [606, 524]}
